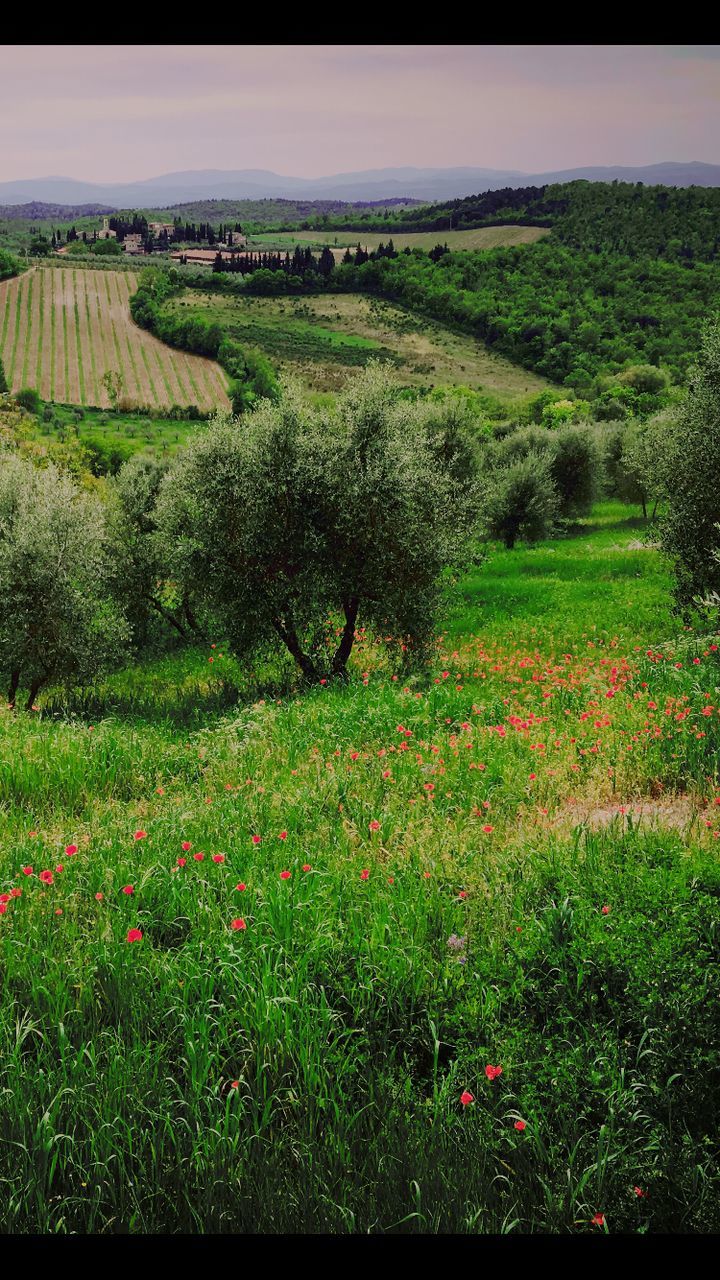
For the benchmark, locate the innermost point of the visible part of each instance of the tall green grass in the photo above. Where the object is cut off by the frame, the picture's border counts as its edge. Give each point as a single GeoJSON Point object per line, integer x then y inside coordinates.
{"type": "Point", "coordinates": [304, 1074]}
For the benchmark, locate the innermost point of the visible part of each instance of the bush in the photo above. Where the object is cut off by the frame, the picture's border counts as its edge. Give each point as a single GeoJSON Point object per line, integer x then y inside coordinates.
{"type": "Point", "coordinates": [28, 399]}
{"type": "Point", "coordinates": [300, 517]}
{"type": "Point", "coordinates": [520, 501]}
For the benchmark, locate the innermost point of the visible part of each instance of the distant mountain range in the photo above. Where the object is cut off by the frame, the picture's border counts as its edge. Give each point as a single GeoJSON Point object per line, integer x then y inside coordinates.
{"type": "Point", "coordinates": [370, 184]}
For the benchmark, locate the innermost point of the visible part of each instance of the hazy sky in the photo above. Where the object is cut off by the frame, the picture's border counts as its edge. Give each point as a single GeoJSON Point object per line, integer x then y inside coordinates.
{"type": "Point", "coordinates": [117, 113]}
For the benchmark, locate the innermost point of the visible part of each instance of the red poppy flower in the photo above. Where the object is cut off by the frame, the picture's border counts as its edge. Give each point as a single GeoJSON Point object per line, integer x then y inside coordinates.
{"type": "Point", "coordinates": [218, 857]}
{"type": "Point", "coordinates": [140, 835]}
{"type": "Point", "coordinates": [466, 1098]}
{"type": "Point", "coordinates": [598, 1220]}
{"type": "Point", "coordinates": [241, 887]}
{"type": "Point", "coordinates": [27, 871]}
{"type": "Point", "coordinates": [46, 877]}
{"type": "Point", "coordinates": [199, 857]}
{"type": "Point", "coordinates": [374, 825]}
{"type": "Point", "coordinates": [285, 875]}
{"type": "Point", "coordinates": [487, 829]}
{"type": "Point", "coordinates": [365, 875]}
{"type": "Point", "coordinates": [128, 888]}
{"type": "Point", "coordinates": [70, 849]}
{"type": "Point", "coordinates": [639, 1192]}
{"type": "Point", "coordinates": [186, 846]}
{"type": "Point", "coordinates": [234, 1084]}
{"type": "Point", "coordinates": [493, 1072]}
{"type": "Point", "coordinates": [238, 924]}
{"type": "Point", "coordinates": [256, 839]}
{"type": "Point", "coordinates": [282, 835]}
{"type": "Point", "coordinates": [519, 1125]}
{"type": "Point", "coordinates": [99, 896]}
{"type": "Point", "coordinates": [606, 911]}
{"type": "Point", "coordinates": [134, 935]}
{"type": "Point", "coordinates": [306, 866]}
{"type": "Point", "coordinates": [182, 862]}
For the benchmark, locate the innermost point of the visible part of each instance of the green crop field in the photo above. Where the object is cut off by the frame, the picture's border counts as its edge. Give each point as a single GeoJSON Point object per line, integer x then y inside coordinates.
{"type": "Point", "coordinates": [479, 238]}
{"type": "Point", "coordinates": [322, 338]}
{"type": "Point", "coordinates": [62, 329]}
{"type": "Point", "coordinates": [436, 957]}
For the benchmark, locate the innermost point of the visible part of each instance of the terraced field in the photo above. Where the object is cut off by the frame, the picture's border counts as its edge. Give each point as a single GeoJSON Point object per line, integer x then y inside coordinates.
{"type": "Point", "coordinates": [62, 329]}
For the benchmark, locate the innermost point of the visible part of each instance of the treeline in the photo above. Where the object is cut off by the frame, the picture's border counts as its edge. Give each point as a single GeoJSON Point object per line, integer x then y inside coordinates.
{"type": "Point", "coordinates": [302, 264]}
{"type": "Point", "coordinates": [252, 377]}
{"type": "Point", "coordinates": [677, 224]}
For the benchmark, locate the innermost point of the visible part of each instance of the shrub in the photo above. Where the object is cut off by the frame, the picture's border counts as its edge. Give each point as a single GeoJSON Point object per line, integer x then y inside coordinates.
{"type": "Point", "coordinates": [28, 399]}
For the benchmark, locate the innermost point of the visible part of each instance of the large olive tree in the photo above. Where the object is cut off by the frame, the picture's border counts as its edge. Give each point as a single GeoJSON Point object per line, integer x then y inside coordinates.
{"type": "Point", "coordinates": [58, 623]}
{"type": "Point", "coordinates": [288, 517]}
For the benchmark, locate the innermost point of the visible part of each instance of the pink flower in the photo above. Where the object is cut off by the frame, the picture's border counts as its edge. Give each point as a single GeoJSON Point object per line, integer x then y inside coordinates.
{"type": "Point", "coordinates": [306, 866]}
{"type": "Point", "coordinates": [256, 839]}
{"type": "Point", "coordinates": [606, 911]}
{"type": "Point", "coordinates": [134, 935]}
{"type": "Point", "coordinates": [374, 825]}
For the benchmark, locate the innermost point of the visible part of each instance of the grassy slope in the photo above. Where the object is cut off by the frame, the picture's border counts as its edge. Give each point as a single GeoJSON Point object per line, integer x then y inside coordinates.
{"type": "Point", "coordinates": [480, 238]}
{"type": "Point", "coordinates": [322, 338]}
{"type": "Point", "coordinates": [305, 1073]}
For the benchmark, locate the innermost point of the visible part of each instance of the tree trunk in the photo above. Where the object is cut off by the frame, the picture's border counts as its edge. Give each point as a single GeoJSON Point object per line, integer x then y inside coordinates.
{"type": "Point", "coordinates": [34, 690]}
{"type": "Point", "coordinates": [342, 653]}
{"type": "Point", "coordinates": [191, 619]}
{"type": "Point", "coordinates": [644, 507]}
{"type": "Point", "coordinates": [165, 613]}
{"type": "Point", "coordinates": [290, 640]}
{"type": "Point", "coordinates": [14, 682]}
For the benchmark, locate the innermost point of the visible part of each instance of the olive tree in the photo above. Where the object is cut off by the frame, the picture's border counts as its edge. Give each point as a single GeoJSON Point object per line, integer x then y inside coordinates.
{"type": "Point", "coordinates": [139, 571]}
{"type": "Point", "coordinates": [58, 622]}
{"type": "Point", "coordinates": [689, 463]}
{"type": "Point", "coordinates": [287, 517]}
{"type": "Point", "coordinates": [520, 501]}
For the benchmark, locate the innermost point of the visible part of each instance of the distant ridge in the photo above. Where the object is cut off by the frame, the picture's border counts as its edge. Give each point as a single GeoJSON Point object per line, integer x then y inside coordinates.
{"type": "Point", "coordinates": [37, 211]}
{"type": "Point", "coordinates": [373, 184]}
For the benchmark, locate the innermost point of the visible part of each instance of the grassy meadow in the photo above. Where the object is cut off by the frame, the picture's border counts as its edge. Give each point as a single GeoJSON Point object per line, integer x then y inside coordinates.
{"type": "Point", "coordinates": [478, 238]}
{"type": "Point", "coordinates": [321, 339]}
{"type": "Point", "coordinates": [379, 957]}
